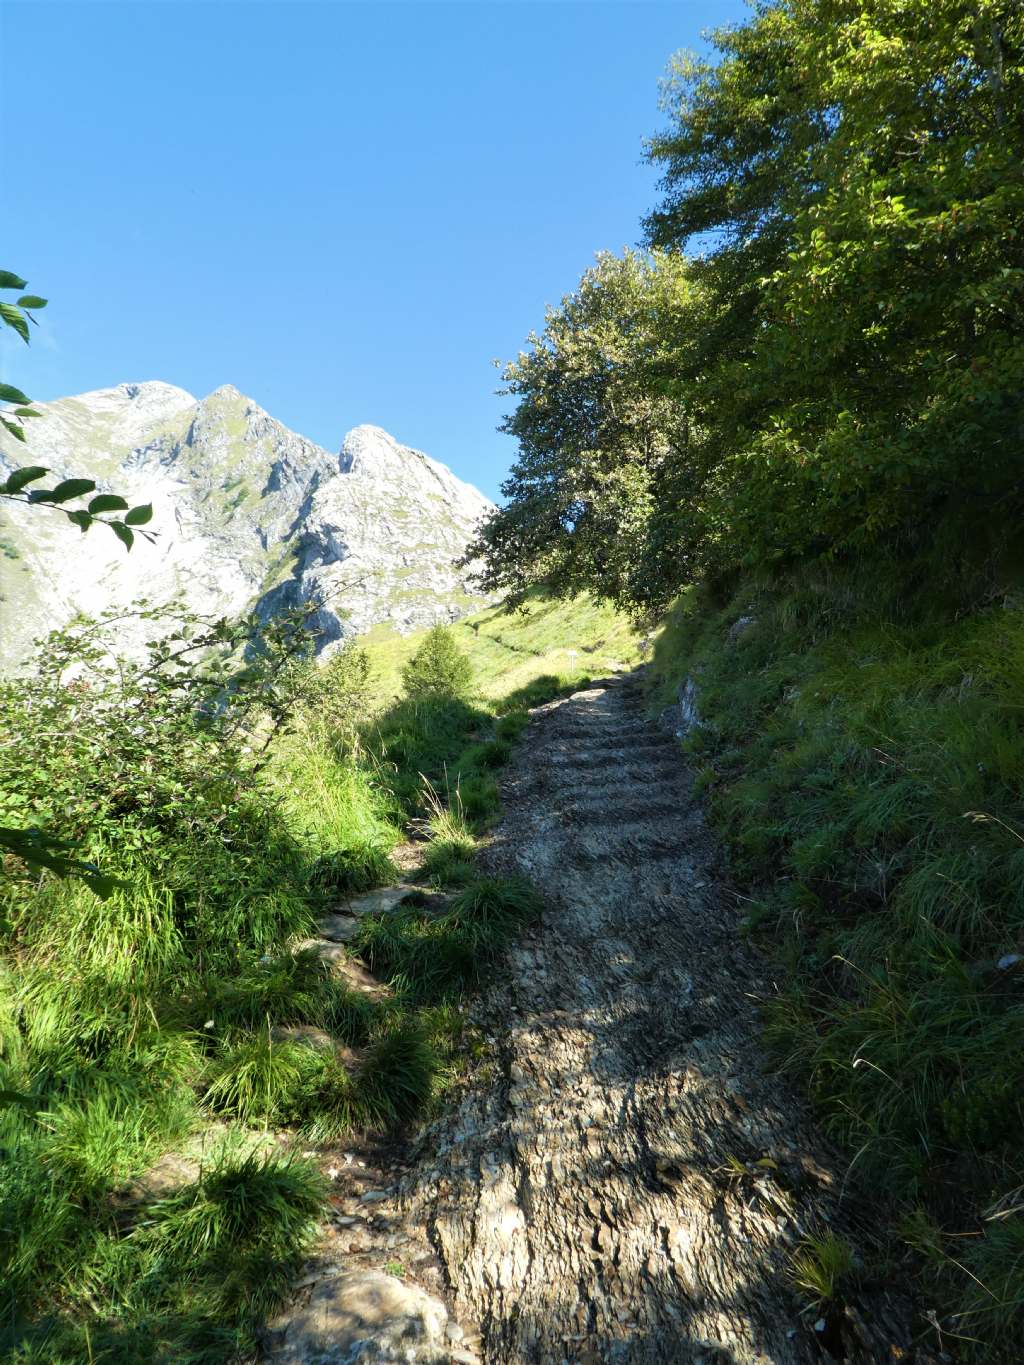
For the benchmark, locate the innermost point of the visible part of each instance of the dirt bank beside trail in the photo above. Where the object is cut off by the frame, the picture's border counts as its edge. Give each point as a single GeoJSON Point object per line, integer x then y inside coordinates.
{"type": "Point", "coordinates": [632, 1182]}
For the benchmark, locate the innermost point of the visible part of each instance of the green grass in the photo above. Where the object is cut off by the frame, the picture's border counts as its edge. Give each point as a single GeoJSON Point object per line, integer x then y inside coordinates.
{"type": "Point", "coordinates": [433, 958]}
{"type": "Point", "coordinates": [129, 1026]}
{"type": "Point", "coordinates": [862, 753]}
{"type": "Point", "coordinates": [191, 1280]}
{"type": "Point", "coordinates": [822, 1268]}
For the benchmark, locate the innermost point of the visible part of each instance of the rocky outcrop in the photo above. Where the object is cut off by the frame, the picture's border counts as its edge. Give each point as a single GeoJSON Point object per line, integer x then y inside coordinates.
{"type": "Point", "coordinates": [247, 515]}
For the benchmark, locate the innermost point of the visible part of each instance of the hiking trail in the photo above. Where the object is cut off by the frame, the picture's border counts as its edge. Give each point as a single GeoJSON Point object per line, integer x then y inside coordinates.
{"type": "Point", "coordinates": [631, 1180]}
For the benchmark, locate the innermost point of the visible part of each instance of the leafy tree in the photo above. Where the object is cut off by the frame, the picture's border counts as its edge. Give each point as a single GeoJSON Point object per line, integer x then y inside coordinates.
{"type": "Point", "coordinates": [599, 433]}
{"type": "Point", "coordinates": [842, 364]}
{"type": "Point", "coordinates": [439, 668]}
{"type": "Point", "coordinates": [74, 491]}
{"type": "Point", "coordinates": [861, 169]}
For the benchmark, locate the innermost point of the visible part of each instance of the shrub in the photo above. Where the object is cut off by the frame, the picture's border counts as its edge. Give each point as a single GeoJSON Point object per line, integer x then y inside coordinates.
{"type": "Point", "coordinates": [439, 668]}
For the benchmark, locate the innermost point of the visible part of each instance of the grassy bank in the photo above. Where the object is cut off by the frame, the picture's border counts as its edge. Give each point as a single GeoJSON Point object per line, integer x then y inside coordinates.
{"type": "Point", "coordinates": [516, 655]}
{"type": "Point", "coordinates": [149, 1042]}
{"type": "Point", "coordinates": [862, 752]}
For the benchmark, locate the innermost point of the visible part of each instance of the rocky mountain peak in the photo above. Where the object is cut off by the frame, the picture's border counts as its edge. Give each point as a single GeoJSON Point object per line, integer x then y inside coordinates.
{"type": "Point", "coordinates": [247, 514]}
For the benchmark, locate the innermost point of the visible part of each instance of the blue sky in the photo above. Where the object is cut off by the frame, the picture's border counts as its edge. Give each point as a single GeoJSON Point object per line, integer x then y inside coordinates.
{"type": "Point", "coordinates": [346, 210]}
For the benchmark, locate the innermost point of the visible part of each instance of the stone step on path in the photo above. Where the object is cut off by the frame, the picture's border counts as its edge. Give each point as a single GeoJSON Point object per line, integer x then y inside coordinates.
{"type": "Point", "coordinates": [369, 1317]}
{"type": "Point", "coordinates": [374, 1292]}
{"type": "Point", "coordinates": [341, 925]}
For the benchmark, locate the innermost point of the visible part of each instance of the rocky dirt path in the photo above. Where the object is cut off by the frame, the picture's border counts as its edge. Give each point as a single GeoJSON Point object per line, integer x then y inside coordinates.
{"type": "Point", "coordinates": [632, 1182]}
{"type": "Point", "coordinates": [629, 1181]}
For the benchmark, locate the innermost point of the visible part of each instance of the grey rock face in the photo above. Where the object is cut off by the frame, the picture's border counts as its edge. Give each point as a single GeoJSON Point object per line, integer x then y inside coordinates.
{"type": "Point", "coordinates": [683, 718]}
{"type": "Point", "coordinates": [247, 514]}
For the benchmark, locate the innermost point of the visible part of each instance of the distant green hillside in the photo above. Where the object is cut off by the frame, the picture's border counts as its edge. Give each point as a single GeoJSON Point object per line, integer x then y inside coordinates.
{"type": "Point", "coordinates": [514, 649]}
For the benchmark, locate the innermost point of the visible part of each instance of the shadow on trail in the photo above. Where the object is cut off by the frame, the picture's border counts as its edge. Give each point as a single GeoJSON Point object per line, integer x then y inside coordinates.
{"type": "Point", "coordinates": [633, 1181]}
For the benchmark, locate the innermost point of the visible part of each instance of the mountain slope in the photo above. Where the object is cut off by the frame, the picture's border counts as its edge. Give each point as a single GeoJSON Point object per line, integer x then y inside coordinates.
{"type": "Point", "coordinates": [246, 512]}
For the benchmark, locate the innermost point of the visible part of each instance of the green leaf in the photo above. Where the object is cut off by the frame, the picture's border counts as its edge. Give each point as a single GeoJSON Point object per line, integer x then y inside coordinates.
{"type": "Point", "coordinates": [31, 301]}
{"type": "Point", "coordinates": [107, 502]}
{"type": "Point", "coordinates": [70, 488]}
{"type": "Point", "coordinates": [8, 280]}
{"type": "Point", "coordinates": [20, 477]}
{"type": "Point", "coordinates": [124, 535]}
{"type": "Point", "coordinates": [15, 318]}
{"type": "Point", "coordinates": [138, 516]}
{"type": "Point", "coordinates": [26, 412]}
{"type": "Point", "coordinates": [13, 428]}
{"type": "Point", "coordinates": [9, 394]}
{"type": "Point", "coordinates": [81, 519]}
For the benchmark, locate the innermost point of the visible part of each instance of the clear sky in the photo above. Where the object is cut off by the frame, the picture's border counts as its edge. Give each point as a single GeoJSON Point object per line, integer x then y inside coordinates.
{"type": "Point", "coordinates": [345, 210]}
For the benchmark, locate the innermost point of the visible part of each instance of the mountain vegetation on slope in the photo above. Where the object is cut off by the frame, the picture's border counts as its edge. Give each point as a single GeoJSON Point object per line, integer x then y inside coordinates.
{"type": "Point", "coordinates": [788, 436]}
{"type": "Point", "coordinates": [155, 1042]}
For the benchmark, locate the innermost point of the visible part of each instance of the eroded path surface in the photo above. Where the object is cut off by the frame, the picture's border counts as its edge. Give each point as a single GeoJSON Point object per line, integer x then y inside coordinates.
{"type": "Point", "coordinates": [631, 1181]}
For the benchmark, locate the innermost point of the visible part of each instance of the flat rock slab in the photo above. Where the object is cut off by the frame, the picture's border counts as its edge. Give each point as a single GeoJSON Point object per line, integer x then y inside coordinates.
{"type": "Point", "coordinates": [366, 1317]}
{"type": "Point", "coordinates": [307, 1035]}
{"type": "Point", "coordinates": [379, 902]}
{"type": "Point", "coordinates": [339, 928]}
{"type": "Point", "coordinates": [330, 952]}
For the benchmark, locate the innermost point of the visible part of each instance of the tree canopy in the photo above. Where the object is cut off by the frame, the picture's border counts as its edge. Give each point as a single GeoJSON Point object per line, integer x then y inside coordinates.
{"type": "Point", "coordinates": [838, 360]}
{"type": "Point", "coordinates": [439, 668]}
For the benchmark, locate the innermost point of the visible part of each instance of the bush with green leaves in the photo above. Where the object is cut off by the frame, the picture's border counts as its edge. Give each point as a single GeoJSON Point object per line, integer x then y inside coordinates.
{"type": "Point", "coordinates": [35, 847]}
{"type": "Point", "coordinates": [151, 769]}
{"type": "Point", "coordinates": [104, 750]}
{"type": "Point", "coordinates": [439, 668]}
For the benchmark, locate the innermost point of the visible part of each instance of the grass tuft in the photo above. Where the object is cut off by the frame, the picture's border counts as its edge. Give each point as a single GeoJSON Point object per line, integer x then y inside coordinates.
{"type": "Point", "coordinates": [823, 1267]}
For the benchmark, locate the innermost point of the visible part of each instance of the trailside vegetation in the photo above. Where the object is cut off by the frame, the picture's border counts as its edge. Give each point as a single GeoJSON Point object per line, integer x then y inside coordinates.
{"type": "Point", "coordinates": [792, 430]}
{"type": "Point", "coordinates": [83, 505]}
{"type": "Point", "coordinates": [439, 668]}
{"type": "Point", "coordinates": [154, 1043]}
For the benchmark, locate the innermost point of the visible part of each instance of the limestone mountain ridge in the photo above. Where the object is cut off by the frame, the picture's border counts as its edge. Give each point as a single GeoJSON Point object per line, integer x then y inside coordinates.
{"type": "Point", "coordinates": [248, 515]}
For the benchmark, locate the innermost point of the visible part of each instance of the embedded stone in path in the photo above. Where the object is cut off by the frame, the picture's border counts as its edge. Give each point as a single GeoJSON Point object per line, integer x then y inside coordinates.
{"type": "Point", "coordinates": [339, 928]}
{"type": "Point", "coordinates": [379, 902]}
{"type": "Point", "coordinates": [366, 1317]}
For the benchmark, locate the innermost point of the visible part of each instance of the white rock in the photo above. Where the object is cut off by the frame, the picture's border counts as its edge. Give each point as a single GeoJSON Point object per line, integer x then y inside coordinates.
{"type": "Point", "coordinates": [365, 1317]}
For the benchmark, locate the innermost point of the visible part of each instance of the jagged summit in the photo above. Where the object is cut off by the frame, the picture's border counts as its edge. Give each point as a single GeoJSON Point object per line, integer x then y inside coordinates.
{"type": "Point", "coordinates": [373, 452]}
{"type": "Point", "coordinates": [247, 514]}
{"type": "Point", "coordinates": [146, 392]}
